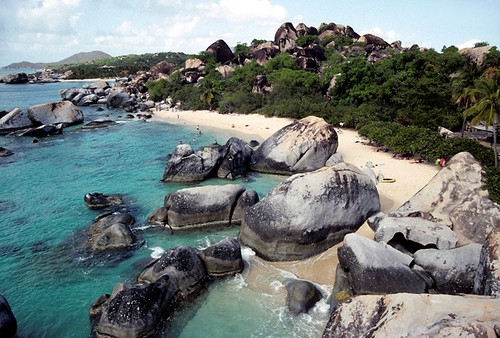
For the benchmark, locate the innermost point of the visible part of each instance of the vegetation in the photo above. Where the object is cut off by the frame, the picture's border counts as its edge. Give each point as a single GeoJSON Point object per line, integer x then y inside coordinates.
{"type": "Point", "coordinates": [398, 101]}
{"type": "Point", "coordinates": [120, 66]}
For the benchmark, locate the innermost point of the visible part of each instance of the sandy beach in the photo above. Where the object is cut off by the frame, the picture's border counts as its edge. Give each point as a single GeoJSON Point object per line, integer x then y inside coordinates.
{"type": "Point", "coordinates": [410, 176]}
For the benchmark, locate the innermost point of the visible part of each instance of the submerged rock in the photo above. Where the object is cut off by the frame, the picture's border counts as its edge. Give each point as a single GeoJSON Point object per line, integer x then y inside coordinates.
{"type": "Point", "coordinates": [99, 201]}
{"type": "Point", "coordinates": [112, 231]}
{"type": "Point", "coordinates": [223, 259]}
{"type": "Point", "coordinates": [302, 295]}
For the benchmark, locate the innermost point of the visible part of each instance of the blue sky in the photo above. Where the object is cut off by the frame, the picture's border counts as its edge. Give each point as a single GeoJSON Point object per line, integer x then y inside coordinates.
{"type": "Point", "coordinates": [51, 30]}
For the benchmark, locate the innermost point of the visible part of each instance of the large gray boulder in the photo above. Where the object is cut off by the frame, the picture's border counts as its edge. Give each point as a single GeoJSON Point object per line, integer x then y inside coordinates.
{"type": "Point", "coordinates": [187, 166]}
{"type": "Point", "coordinates": [112, 231]}
{"type": "Point", "coordinates": [487, 280]}
{"type": "Point", "coordinates": [15, 78]}
{"type": "Point", "coordinates": [182, 264]}
{"type": "Point", "coordinates": [302, 146]}
{"type": "Point", "coordinates": [410, 234]}
{"type": "Point", "coordinates": [203, 206]}
{"type": "Point", "coordinates": [414, 315]}
{"type": "Point", "coordinates": [455, 198]}
{"type": "Point", "coordinates": [453, 271]}
{"type": "Point", "coordinates": [136, 310]}
{"type": "Point", "coordinates": [309, 213]}
{"type": "Point", "coordinates": [119, 98]}
{"type": "Point", "coordinates": [235, 157]}
{"type": "Point", "coordinates": [377, 268]}
{"type": "Point", "coordinates": [223, 259]}
{"type": "Point", "coordinates": [64, 112]}
{"type": "Point", "coordinates": [8, 323]}
{"type": "Point", "coordinates": [286, 37]}
{"type": "Point", "coordinates": [15, 119]}
{"type": "Point", "coordinates": [221, 51]}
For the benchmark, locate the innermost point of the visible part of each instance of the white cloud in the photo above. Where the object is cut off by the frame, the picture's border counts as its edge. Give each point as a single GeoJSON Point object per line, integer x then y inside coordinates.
{"type": "Point", "coordinates": [262, 12]}
{"type": "Point", "coordinates": [468, 44]}
{"type": "Point", "coordinates": [49, 16]}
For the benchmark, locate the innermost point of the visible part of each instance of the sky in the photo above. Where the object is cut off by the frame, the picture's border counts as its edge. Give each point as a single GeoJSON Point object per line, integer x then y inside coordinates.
{"type": "Point", "coordinates": [52, 30]}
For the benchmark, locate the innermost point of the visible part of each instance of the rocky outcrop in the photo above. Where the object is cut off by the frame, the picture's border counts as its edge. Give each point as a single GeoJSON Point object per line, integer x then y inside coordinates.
{"type": "Point", "coordinates": [185, 165]}
{"type": "Point", "coordinates": [181, 264]}
{"type": "Point", "coordinates": [405, 315]}
{"type": "Point", "coordinates": [202, 207]}
{"type": "Point", "coordinates": [223, 259]}
{"type": "Point", "coordinates": [221, 51]}
{"type": "Point", "coordinates": [112, 231]}
{"type": "Point", "coordinates": [97, 200]}
{"type": "Point", "coordinates": [14, 120]}
{"type": "Point", "coordinates": [119, 98]}
{"type": "Point", "coordinates": [375, 268]}
{"type": "Point", "coordinates": [453, 271]}
{"type": "Point", "coordinates": [302, 146]}
{"type": "Point", "coordinates": [309, 213]}
{"type": "Point", "coordinates": [410, 234]}
{"type": "Point", "coordinates": [475, 54]}
{"type": "Point", "coordinates": [455, 198]}
{"type": "Point", "coordinates": [235, 157]}
{"type": "Point", "coordinates": [161, 70]}
{"type": "Point", "coordinates": [136, 310]}
{"type": "Point", "coordinates": [54, 113]}
{"type": "Point", "coordinates": [487, 280]}
{"type": "Point", "coordinates": [168, 283]}
{"type": "Point", "coordinates": [285, 37]}
{"type": "Point", "coordinates": [15, 78]}
{"type": "Point", "coordinates": [301, 295]}
{"type": "Point", "coordinates": [8, 323]}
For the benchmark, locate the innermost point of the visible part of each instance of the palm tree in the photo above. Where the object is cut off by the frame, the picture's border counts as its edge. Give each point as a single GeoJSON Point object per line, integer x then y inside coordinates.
{"type": "Point", "coordinates": [486, 105]}
{"type": "Point", "coordinates": [464, 99]}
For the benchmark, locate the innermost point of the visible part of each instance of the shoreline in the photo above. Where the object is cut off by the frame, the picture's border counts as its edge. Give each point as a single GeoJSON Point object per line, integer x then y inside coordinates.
{"type": "Point", "coordinates": [410, 177]}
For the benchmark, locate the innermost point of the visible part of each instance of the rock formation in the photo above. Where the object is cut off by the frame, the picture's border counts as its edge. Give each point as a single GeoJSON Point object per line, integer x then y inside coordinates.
{"type": "Point", "coordinates": [309, 213]}
{"type": "Point", "coordinates": [235, 156]}
{"type": "Point", "coordinates": [487, 280]}
{"type": "Point", "coordinates": [187, 166]}
{"type": "Point", "coordinates": [56, 112]}
{"type": "Point", "coordinates": [455, 198]}
{"type": "Point", "coordinates": [112, 231]}
{"type": "Point", "coordinates": [376, 268]}
{"type": "Point", "coordinates": [302, 146]}
{"type": "Point", "coordinates": [221, 51]}
{"type": "Point", "coordinates": [15, 78]}
{"type": "Point", "coordinates": [202, 207]}
{"type": "Point", "coordinates": [14, 120]}
{"type": "Point", "coordinates": [166, 284]}
{"type": "Point", "coordinates": [415, 315]}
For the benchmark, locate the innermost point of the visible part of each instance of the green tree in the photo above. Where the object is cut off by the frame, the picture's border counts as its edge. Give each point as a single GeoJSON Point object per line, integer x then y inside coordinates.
{"type": "Point", "coordinates": [486, 106]}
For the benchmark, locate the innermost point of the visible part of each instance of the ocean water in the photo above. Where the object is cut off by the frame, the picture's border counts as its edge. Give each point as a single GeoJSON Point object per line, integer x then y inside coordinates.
{"type": "Point", "coordinates": [48, 277]}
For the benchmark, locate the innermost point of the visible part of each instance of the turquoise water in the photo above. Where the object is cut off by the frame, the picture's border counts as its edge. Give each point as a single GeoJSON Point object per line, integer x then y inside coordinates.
{"type": "Point", "coordinates": [50, 280]}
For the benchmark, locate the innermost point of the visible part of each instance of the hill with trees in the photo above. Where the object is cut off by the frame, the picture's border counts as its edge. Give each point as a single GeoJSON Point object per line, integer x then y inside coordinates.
{"type": "Point", "coordinates": [82, 57]}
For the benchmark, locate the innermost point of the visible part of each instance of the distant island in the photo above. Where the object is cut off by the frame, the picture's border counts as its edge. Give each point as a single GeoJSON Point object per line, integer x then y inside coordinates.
{"type": "Point", "coordinates": [82, 57]}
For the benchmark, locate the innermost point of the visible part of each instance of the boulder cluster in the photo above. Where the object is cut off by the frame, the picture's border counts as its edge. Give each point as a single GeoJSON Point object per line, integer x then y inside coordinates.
{"type": "Point", "coordinates": [428, 255]}
{"type": "Point", "coordinates": [41, 120]}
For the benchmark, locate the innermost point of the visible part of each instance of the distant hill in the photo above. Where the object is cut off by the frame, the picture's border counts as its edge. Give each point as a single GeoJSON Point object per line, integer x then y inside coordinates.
{"type": "Point", "coordinates": [82, 57]}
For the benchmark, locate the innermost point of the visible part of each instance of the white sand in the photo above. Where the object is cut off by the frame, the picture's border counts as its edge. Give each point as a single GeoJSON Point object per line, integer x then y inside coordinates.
{"type": "Point", "coordinates": [410, 178]}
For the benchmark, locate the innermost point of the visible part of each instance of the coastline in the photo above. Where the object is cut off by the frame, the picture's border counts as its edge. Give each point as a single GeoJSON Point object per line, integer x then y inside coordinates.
{"type": "Point", "coordinates": [410, 176]}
